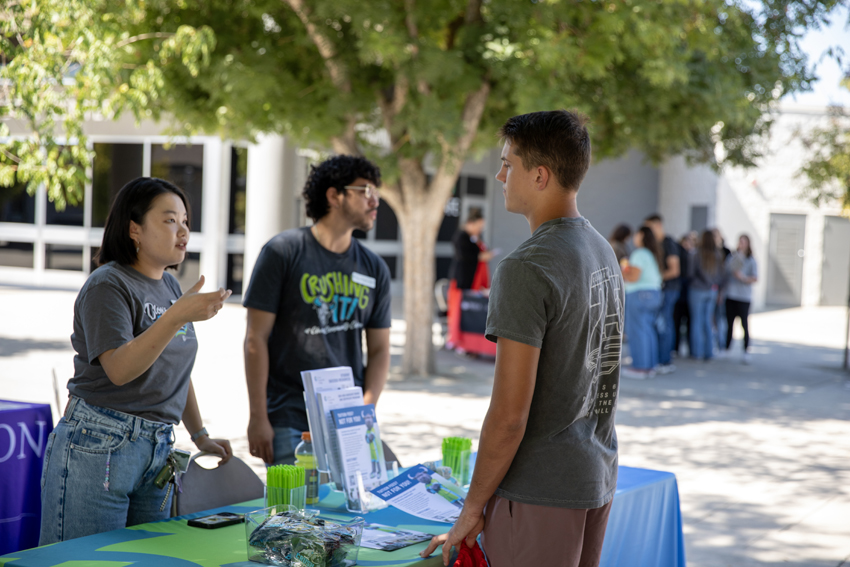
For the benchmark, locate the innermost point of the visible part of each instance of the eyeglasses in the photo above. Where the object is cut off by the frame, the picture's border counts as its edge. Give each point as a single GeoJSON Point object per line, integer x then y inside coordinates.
{"type": "Point", "coordinates": [369, 190]}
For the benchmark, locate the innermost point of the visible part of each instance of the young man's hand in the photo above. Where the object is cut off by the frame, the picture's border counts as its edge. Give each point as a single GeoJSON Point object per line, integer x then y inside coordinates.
{"type": "Point", "coordinates": [466, 529]}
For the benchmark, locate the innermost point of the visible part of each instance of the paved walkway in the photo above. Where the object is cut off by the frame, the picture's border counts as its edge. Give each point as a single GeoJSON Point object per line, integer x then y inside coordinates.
{"type": "Point", "coordinates": [761, 452]}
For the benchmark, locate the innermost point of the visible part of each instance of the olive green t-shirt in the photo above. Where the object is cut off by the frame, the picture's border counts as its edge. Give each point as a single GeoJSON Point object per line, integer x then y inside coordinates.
{"type": "Point", "coordinates": [562, 292]}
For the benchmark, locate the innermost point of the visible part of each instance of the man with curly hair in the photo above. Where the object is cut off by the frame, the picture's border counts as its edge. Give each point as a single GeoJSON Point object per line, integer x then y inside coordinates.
{"type": "Point", "coordinates": [312, 293]}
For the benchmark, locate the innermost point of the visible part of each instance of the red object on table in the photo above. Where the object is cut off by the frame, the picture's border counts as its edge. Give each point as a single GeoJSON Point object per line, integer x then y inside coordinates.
{"type": "Point", "coordinates": [470, 556]}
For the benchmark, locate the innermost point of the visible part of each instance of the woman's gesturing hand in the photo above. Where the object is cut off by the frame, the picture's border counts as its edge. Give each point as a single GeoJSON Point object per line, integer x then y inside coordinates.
{"type": "Point", "coordinates": [195, 306]}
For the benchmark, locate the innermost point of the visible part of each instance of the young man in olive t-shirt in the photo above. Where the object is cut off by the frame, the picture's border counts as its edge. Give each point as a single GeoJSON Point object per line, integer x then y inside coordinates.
{"type": "Point", "coordinates": [546, 469]}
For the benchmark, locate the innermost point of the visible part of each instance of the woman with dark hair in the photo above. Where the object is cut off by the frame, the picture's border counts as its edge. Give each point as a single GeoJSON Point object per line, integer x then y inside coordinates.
{"type": "Point", "coordinates": [135, 347]}
{"type": "Point", "coordinates": [643, 300]}
{"type": "Point", "coordinates": [468, 271]}
{"type": "Point", "coordinates": [742, 273]}
{"type": "Point", "coordinates": [707, 275]}
{"type": "Point", "coordinates": [618, 238]}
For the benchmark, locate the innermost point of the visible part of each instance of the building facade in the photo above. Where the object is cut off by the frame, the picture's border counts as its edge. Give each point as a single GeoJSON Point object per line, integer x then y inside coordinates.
{"type": "Point", "coordinates": [241, 195]}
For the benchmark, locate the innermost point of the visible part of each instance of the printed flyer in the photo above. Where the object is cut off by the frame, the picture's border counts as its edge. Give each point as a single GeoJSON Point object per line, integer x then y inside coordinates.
{"type": "Point", "coordinates": [359, 442]}
{"type": "Point", "coordinates": [386, 538]}
{"type": "Point", "coordinates": [424, 494]}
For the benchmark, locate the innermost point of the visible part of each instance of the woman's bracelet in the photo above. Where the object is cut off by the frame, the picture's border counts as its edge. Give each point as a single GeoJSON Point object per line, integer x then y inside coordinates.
{"type": "Point", "coordinates": [199, 434]}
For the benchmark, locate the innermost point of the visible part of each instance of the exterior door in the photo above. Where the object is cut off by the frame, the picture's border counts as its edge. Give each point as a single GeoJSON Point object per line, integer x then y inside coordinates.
{"type": "Point", "coordinates": [835, 274]}
{"type": "Point", "coordinates": [785, 262]}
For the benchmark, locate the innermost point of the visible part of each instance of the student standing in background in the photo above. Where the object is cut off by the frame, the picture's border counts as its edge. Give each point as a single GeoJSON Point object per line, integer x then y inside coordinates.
{"type": "Point", "coordinates": [707, 274]}
{"type": "Point", "coordinates": [671, 287]}
{"type": "Point", "coordinates": [643, 301]}
{"type": "Point", "coordinates": [742, 273]}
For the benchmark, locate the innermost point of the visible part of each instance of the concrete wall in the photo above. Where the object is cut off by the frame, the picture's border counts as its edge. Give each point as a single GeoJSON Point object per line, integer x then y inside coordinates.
{"type": "Point", "coordinates": [615, 191]}
{"type": "Point", "coordinates": [747, 198]}
{"type": "Point", "coordinates": [619, 190]}
{"type": "Point", "coordinates": [681, 187]}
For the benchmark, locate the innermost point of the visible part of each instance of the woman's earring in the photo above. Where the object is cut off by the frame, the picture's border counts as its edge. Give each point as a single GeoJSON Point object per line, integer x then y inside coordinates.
{"type": "Point", "coordinates": [137, 247]}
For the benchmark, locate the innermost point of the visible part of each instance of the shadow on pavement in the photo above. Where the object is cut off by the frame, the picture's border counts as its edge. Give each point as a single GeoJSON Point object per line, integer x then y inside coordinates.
{"type": "Point", "coordinates": [14, 347]}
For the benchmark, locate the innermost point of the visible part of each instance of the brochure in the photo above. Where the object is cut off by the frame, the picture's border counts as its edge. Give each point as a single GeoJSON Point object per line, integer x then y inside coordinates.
{"type": "Point", "coordinates": [359, 441]}
{"type": "Point", "coordinates": [322, 380]}
{"type": "Point", "coordinates": [424, 494]}
{"type": "Point", "coordinates": [331, 400]}
{"type": "Point", "coordinates": [386, 538]}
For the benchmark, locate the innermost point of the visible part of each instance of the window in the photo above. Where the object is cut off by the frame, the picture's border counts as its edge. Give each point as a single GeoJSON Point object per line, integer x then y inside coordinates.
{"type": "Point", "coordinates": [441, 267]}
{"type": "Point", "coordinates": [16, 205]}
{"type": "Point", "coordinates": [70, 216]}
{"type": "Point", "coordinates": [189, 270]}
{"type": "Point", "coordinates": [387, 224]}
{"type": "Point", "coordinates": [238, 190]}
{"type": "Point", "coordinates": [235, 273]}
{"type": "Point", "coordinates": [476, 186]}
{"type": "Point", "coordinates": [183, 166]}
{"type": "Point", "coordinates": [114, 166]}
{"type": "Point", "coordinates": [392, 264]}
{"type": "Point", "coordinates": [62, 257]}
{"type": "Point", "coordinates": [16, 254]}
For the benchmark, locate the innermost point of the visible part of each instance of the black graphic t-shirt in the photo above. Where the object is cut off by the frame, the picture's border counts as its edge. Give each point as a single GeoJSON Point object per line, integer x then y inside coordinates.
{"type": "Point", "coordinates": [322, 302]}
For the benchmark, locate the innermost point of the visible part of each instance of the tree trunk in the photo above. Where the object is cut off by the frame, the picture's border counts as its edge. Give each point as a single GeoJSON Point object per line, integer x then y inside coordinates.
{"type": "Point", "coordinates": [419, 237]}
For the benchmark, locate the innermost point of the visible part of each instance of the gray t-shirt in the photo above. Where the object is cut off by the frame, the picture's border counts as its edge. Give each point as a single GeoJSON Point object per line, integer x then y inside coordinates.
{"type": "Point", "coordinates": [735, 288]}
{"type": "Point", "coordinates": [562, 291]}
{"type": "Point", "coordinates": [116, 304]}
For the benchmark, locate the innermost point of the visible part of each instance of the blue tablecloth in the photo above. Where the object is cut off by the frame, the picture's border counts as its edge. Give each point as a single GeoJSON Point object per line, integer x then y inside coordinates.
{"type": "Point", "coordinates": [644, 530]}
{"type": "Point", "coordinates": [23, 438]}
{"type": "Point", "coordinates": [645, 524]}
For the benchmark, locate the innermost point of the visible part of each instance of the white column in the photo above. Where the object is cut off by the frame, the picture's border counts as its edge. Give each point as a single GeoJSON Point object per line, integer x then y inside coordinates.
{"type": "Point", "coordinates": [270, 195]}
{"type": "Point", "coordinates": [214, 229]}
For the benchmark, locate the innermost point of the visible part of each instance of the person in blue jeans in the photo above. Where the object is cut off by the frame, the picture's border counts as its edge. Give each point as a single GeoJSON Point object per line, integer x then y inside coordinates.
{"type": "Point", "coordinates": [707, 274]}
{"type": "Point", "coordinates": [135, 347]}
{"type": "Point", "coordinates": [643, 300]}
{"type": "Point", "coordinates": [671, 287]}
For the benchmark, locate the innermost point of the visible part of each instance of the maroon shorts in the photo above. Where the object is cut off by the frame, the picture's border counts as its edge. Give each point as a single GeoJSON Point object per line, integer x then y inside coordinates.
{"type": "Point", "coordinates": [517, 534]}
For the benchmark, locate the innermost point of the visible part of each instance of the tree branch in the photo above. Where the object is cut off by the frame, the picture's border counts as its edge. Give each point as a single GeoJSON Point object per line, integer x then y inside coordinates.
{"type": "Point", "coordinates": [323, 44]}
{"type": "Point", "coordinates": [11, 156]}
{"type": "Point", "coordinates": [473, 12]}
{"type": "Point", "coordinates": [347, 142]}
{"type": "Point", "coordinates": [141, 37]}
{"type": "Point", "coordinates": [454, 154]}
{"type": "Point", "coordinates": [412, 30]}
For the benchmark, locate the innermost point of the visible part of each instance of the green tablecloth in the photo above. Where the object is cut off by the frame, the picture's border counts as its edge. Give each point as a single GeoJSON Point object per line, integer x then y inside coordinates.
{"type": "Point", "coordinates": [172, 543]}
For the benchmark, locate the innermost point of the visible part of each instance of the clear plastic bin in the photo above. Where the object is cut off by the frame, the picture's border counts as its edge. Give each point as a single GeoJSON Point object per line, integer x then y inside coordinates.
{"type": "Point", "coordinates": [296, 497]}
{"type": "Point", "coordinates": [284, 535]}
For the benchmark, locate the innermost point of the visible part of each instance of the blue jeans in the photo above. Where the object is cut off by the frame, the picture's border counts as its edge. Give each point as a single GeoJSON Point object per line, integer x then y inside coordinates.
{"type": "Point", "coordinates": [641, 311]}
{"type": "Point", "coordinates": [92, 449]}
{"type": "Point", "coordinates": [286, 439]}
{"type": "Point", "coordinates": [666, 327]}
{"type": "Point", "coordinates": [720, 324]}
{"type": "Point", "coordinates": [701, 303]}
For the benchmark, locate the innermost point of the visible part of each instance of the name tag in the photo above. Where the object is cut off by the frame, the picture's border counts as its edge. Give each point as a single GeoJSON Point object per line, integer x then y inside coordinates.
{"type": "Point", "coordinates": [362, 279]}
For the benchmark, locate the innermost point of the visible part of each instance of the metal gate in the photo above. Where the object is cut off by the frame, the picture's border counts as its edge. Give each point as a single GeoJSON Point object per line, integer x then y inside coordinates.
{"type": "Point", "coordinates": [785, 261]}
{"type": "Point", "coordinates": [835, 274]}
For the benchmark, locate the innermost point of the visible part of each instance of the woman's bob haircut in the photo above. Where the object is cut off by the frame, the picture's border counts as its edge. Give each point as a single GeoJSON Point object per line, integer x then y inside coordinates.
{"type": "Point", "coordinates": [132, 203]}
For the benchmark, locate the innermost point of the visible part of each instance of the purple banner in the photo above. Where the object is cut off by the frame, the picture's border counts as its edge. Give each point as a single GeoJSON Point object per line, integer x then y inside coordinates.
{"type": "Point", "coordinates": [23, 438]}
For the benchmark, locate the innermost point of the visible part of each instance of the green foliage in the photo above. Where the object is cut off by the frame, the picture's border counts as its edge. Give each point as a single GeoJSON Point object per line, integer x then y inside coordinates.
{"type": "Point", "coordinates": [66, 60]}
{"type": "Point", "coordinates": [666, 77]}
{"type": "Point", "coordinates": [828, 166]}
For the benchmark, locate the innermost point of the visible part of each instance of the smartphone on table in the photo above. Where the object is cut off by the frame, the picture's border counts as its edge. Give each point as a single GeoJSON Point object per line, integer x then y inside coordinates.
{"type": "Point", "coordinates": [217, 520]}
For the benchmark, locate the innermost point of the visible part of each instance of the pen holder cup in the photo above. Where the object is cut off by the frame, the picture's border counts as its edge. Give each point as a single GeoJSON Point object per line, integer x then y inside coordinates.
{"type": "Point", "coordinates": [295, 497]}
{"type": "Point", "coordinates": [284, 535]}
{"type": "Point", "coordinates": [461, 465]}
{"type": "Point", "coordinates": [358, 500]}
